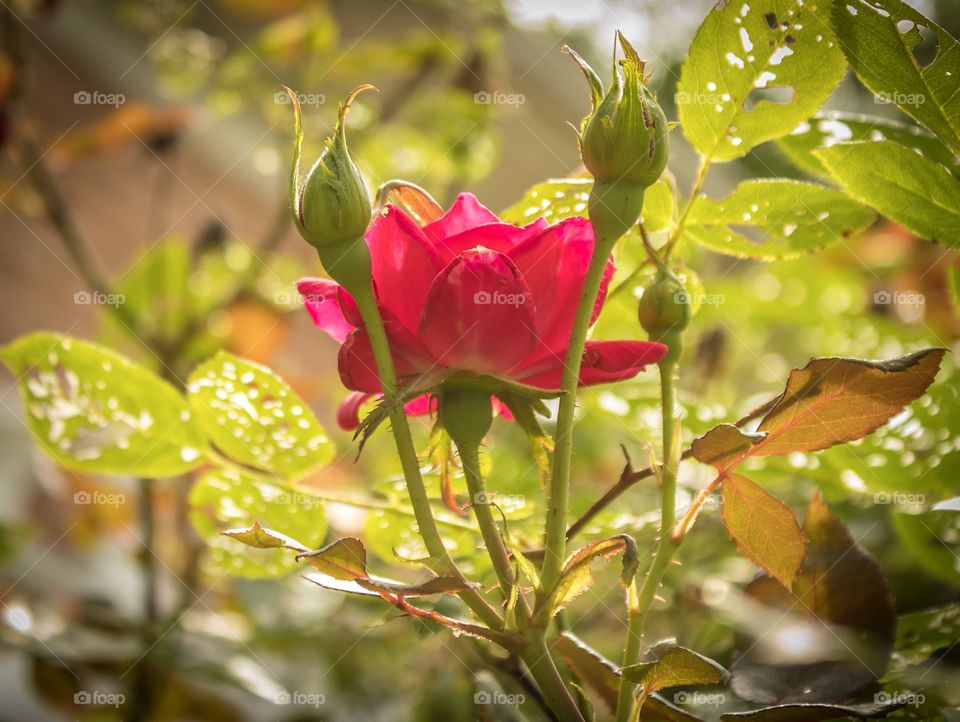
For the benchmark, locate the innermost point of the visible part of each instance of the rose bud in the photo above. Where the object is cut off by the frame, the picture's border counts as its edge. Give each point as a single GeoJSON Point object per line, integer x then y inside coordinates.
{"type": "Point", "coordinates": [332, 209]}
{"type": "Point", "coordinates": [665, 311]}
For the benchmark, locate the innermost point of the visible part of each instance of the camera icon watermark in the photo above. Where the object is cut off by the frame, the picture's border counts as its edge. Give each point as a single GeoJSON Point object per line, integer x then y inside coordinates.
{"type": "Point", "coordinates": [97, 298]}
{"type": "Point", "coordinates": [896, 298]}
{"type": "Point", "coordinates": [700, 299]}
{"type": "Point", "coordinates": [95, 97]}
{"type": "Point", "coordinates": [485, 97]}
{"type": "Point", "coordinates": [913, 699]}
{"type": "Point", "coordinates": [498, 698]}
{"type": "Point", "coordinates": [305, 99]}
{"type": "Point", "coordinates": [99, 498]}
{"type": "Point", "coordinates": [303, 699]}
{"type": "Point", "coordinates": [700, 699]}
{"type": "Point", "coordinates": [498, 298]}
{"type": "Point", "coordinates": [100, 699]}
{"type": "Point", "coordinates": [897, 98]}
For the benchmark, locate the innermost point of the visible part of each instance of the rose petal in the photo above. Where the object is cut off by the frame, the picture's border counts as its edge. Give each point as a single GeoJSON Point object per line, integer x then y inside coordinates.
{"type": "Point", "coordinates": [404, 264]}
{"type": "Point", "coordinates": [603, 362]}
{"type": "Point", "coordinates": [325, 301]}
{"type": "Point", "coordinates": [348, 413]}
{"type": "Point", "coordinates": [479, 314]}
{"type": "Point", "coordinates": [465, 213]}
{"type": "Point", "coordinates": [501, 237]}
{"type": "Point", "coordinates": [358, 369]}
{"type": "Point", "coordinates": [421, 405]}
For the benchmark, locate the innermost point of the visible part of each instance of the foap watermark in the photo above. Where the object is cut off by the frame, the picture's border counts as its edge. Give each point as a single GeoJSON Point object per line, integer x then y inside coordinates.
{"type": "Point", "coordinates": [303, 699]}
{"type": "Point", "coordinates": [98, 298]}
{"type": "Point", "coordinates": [899, 498]}
{"type": "Point", "coordinates": [901, 99]}
{"type": "Point", "coordinates": [498, 298]}
{"type": "Point", "coordinates": [498, 698]}
{"type": "Point", "coordinates": [699, 299]}
{"type": "Point", "coordinates": [95, 97]}
{"type": "Point", "coordinates": [305, 99]}
{"type": "Point", "coordinates": [898, 298]}
{"type": "Point", "coordinates": [99, 498]}
{"type": "Point", "coordinates": [700, 699]}
{"type": "Point", "coordinates": [504, 500]}
{"type": "Point", "coordinates": [100, 699]}
{"type": "Point", "coordinates": [914, 699]}
{"type": "Point", "coordinates": [699, 98]}
{"type": "Point", "coordinates": [485, 97]}
{"type": "Point", "coordinates": [296, 498]}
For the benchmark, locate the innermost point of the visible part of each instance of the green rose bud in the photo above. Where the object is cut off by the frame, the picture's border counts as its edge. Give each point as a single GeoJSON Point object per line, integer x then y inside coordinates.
{"type": "Point", "coordinates": [332, 209]}
{"type": "Point", "coordinates": [665, 312]}
{"type": "Point", "coordinates": [625, 136]}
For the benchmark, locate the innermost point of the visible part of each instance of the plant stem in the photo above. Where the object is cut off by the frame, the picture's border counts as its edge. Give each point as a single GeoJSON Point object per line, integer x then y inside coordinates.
{"type": "Point", "coordinates": [536, 655]}
{"type": "Point", "coordinates": [556, 523]}
{"type": "Point", "coordinates": [427, 525]}
{"type": "Point", "coordinates": [640, 602]}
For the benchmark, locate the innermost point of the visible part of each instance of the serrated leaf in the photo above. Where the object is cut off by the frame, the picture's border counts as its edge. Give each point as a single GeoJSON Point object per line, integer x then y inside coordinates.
{"type": "Point", "coordinates": [577, 578]}
{"type": "Point", "coordinates": [745, 51]}
{"type": "Point", "coordinates": [224, 500]}
{"type": "Point", "coordinates": [881, 39]}
{"type": "Point", "coordinates": [829, 127]}
{"type": "Point", "coordinates": [901, 184]}
{"type": "Point", "coordinates": [260, 538]}
{"type": "Point", "coordinates": [833, 631]}
{"type": "Point", "coordinates": [775, 219]}
{"type": "Point", "coordinates": [345, 558]}
{"type": "Point", "coordinates": [723, 444]}
{"type": "Point", "coordinates": [254, 417]}
{"type": "Point", "coordinates": [763, 528]}
{"type": "Point", "coordinates": [670, 665]}
{"type": "Point", "coordinates": [814, 712]}
{"type": "Point", "coordinates": [833, 400]}
{"type": "Point", "coordinates": [94, 410]}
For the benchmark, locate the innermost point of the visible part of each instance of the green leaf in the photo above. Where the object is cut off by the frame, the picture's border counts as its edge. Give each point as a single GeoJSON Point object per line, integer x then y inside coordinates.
{"type": "Point", "coordinates": [763, 528]}
{"type": "Point", "coordinates": [96, 411]}
{"type": "Point", "coordinates": [882, 40]}
{"type": "Point", "coordinates": [775, 219]}
{"type": "Point", "coordinates": [673, 666]}
{"type": "Point", "coordinates": [923, 536]}
{"type": "Point", "coordinates": [345, 558]}
{"type": "Point", "coordinates": [254, 417]}
{"type": "Point", "coordinates": [912, 190]}
{"type": "Point", "coordinates": [826, 638]}
{"type": "Point", "coordinates": [561, 198]}
{"type": "Point", "coordinates": [577, 578]}
{"type": "Point", "coordinates": [247, 510]}
{"type": "Point", "coordinates": [921, 634]}
{"type": "Point", "coordinates": [754, 71]}
{"type": "Point", "coordinates": [814, 712]}
{"type": "Point", "coordinates": [829, 127]}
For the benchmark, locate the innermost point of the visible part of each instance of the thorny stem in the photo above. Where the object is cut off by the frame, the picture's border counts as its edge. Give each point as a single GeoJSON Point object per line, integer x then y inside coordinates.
{"type": "Point", "coordinates": [427, 525]}
{"type": "Point", "coordinates": [640, 602]}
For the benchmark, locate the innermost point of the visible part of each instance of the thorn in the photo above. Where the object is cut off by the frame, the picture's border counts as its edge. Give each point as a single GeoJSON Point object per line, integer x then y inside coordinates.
{"type": "Point", "coordinates": [676, 562]}
{"type": "Point", "coordinates": [658, 598]}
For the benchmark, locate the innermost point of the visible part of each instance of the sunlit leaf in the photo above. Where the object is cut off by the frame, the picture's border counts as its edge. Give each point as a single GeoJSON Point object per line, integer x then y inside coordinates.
{"type": "Point", "coordinates": [754, 71]}
{"type": "Point", "coordinates": [94, 410]}
{"type": "Point", "coordinates": [901, 184]}
{"type": "Point", "coordinates": [345, 558]}
{"type": "Point", "coordinates": [254, 417]}
{"type": "Point", "coordinates": [670, 665]}
{"type": "Point", "coordinates": [763, 528]}
{"type": "Point", "coordinates": [775, 219]}
{"type": "Point", "coordinates": [723, 444]}
{"type": "Point", "coordinates": [829, 127]}
{"type": "Point", "coordinates": [884, 42]}
{"type": "Point", "coordinates": [260, 538]}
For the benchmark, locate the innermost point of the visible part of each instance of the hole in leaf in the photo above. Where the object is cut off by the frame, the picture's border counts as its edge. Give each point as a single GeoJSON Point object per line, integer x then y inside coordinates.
{"type": "Point", "coordinates": [925, 47]}
{"type": "Point", "coordinates": [781, 95]}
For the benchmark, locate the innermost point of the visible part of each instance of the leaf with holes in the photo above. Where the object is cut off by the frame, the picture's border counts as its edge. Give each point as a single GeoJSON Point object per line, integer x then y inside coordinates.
{"type": "Point", "coordinates": [670, 665]}
{"type": "Point", "coordinates": [763, 528]}
{"type": "Point", "coordinates": [577, 578]}
{"type": "Point", "coordinates": [755, 70]}
{"type": "Point", "coordinates": [775, 219]}
{"type": "Point", "coordinates": [886, 42]}
{"type": "Point", "coordinates": [906, 187]}
{"type": "Point", "coordinates": [829, 636]}
{"type": "Point", "coordinates": [94, 410]}
{"type": "Point", "coordinates": [254, 417]}
{"type": "Point", "coordinates": [829, 127]}
{"type": "Point", "coordinates": [226, 508]}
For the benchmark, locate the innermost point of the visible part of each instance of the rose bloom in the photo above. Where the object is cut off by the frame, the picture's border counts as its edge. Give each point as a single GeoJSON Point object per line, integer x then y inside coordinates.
{"type": "Point", "coordinates": [467, 292]}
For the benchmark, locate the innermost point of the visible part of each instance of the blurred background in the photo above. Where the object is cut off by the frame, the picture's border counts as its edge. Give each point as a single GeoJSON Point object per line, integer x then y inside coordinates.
{"type": "Point", "coordinates": [145, 150]}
